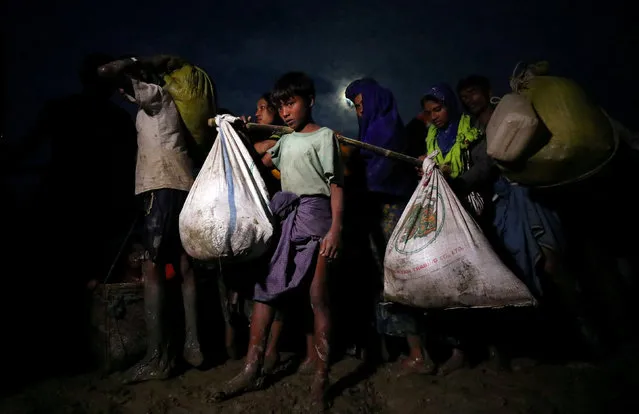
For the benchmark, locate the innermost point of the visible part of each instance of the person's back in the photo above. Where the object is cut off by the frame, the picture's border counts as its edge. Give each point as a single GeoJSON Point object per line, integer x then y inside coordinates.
{"type": "Point", "coordinates": [163, 178]}
{"type": "Point", "coordinates": [163, 160]}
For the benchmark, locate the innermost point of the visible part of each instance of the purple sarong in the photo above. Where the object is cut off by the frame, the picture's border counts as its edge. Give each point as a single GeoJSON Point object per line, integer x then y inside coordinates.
{"type": "Point", "coordinates": [304, 222]}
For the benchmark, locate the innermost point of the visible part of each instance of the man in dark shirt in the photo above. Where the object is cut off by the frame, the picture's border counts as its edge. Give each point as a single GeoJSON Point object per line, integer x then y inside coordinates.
{"type": "Point", "coordinates": [474, 93]}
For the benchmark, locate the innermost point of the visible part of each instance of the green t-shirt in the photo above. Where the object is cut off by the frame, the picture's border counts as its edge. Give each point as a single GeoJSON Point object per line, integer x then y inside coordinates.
{"type": "Point", "coordinates": [309, 163]}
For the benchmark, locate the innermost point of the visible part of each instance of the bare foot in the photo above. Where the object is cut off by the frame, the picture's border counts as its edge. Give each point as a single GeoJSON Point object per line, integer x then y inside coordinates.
{"type": "Point", "coordinates": [192, 354]}
{"type": "Point", "coordinates": [497, 361]}
{"type": "Point", "coordinates": [307, 367]}
{"type": "Point", "coordinates": [155, 367]}
{"type": "Point", "coordinates": [418, 365]}
{"type": "Point", "coordinates": [271, 361]}
{"type": "Point", "coordinates": [247, 380]}
{"type": "Point", "coordinates": [455, 362]}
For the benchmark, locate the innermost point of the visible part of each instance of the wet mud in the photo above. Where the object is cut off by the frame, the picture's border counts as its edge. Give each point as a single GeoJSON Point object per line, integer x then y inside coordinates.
{"type": "Point", "coordinates": [532, 387]}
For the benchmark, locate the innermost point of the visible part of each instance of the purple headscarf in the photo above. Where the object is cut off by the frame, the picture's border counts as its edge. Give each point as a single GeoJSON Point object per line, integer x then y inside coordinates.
{"type": "Point", "coordinates": [382, 126]}
{"type": "Point", "coordinates": [444, 94]}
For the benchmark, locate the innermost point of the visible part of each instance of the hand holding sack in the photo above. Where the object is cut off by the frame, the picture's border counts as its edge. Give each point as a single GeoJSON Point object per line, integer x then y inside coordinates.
{"type": "Point", "coordinates": [438, 257]}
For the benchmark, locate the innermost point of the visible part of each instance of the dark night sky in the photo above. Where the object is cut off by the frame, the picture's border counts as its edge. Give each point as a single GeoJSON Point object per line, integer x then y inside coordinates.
{"type": "Point", "coordinates": [406, 45]}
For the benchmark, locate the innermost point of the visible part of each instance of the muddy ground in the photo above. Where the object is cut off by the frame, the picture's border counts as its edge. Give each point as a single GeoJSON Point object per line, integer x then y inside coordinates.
{"type": "Point", "coordinates": [606, 386]}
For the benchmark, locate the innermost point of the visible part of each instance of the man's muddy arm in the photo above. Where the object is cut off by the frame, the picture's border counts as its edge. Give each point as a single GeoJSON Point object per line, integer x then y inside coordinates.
{"type": "Point", "coordinates": [158, 63]}
{"type": "Point", "coordinates": [124, 69]}
{"type": "Point", "coordinates": [117, 68]}
{"type": "Point", "coordinates": [121, 69]}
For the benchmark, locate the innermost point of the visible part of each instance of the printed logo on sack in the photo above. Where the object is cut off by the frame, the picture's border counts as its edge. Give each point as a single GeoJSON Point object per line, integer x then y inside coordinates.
{"type": "Point", "coordinates": [422, 225]}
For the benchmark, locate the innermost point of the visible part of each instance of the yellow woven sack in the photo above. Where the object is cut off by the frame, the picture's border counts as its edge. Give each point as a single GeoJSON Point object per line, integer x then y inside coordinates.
{"type": "Point", "coordinates": [194, 95]}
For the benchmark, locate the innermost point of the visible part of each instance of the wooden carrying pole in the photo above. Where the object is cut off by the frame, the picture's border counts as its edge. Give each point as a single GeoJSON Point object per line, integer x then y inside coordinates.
{"type": "Point", "coordinates": [275, 129]}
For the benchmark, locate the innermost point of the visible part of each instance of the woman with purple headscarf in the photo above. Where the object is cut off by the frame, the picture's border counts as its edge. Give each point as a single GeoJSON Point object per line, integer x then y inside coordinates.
{"type": "Point", "coordinates": [381, 125]}
{"type": "Point", "coordinates": [388, 186]}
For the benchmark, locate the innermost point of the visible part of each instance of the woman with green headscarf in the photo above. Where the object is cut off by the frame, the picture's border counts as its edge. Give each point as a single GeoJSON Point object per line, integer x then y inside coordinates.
{"type": "Point", "coordinates": [452, 135]}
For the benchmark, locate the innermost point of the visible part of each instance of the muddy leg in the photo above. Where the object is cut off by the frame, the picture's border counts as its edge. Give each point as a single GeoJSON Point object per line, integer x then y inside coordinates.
{"type": "Point", "coordinates": [272, 355]}
{"type": "Point", "coordinates": [456, 361]}
{"type": "Point", "coordinates": [322, 331]}
{"type": "Point", "coordinates": [418, 360]}
{"type": "Point", "coordinates": [310, 361]}
{"type": "Point", "coordinates": [227, 300]}
{"type": "Point", "coordinates": [192, 352]}
{"type": "Point", "coordinates": [249, 378]}
{"type": "Point", "coordinates": [156, 364]}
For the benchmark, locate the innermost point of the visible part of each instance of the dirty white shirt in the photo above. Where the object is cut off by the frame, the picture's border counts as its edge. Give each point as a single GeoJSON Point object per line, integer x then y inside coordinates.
{"type": "Point", "coordinates": [162, 161]}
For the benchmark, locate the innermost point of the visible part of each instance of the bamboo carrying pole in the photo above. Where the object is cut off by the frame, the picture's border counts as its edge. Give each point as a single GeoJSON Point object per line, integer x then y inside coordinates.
{"type": "Point", "coordinates": [274, 129]}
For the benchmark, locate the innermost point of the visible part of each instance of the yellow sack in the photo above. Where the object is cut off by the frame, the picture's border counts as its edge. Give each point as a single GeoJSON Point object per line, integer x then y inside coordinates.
{"type": "Point", "coordinates": [579, 139]}
{"type": "Point", "coordinates": [194, 95]}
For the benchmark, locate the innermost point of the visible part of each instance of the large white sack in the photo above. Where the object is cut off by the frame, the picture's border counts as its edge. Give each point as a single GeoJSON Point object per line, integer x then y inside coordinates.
{"type": "Point", "coordinates": [438, 258]}
{"type": "Point", "coordinates": [226, 213]}
{"type": "Point", "coordinates": [511, 128]}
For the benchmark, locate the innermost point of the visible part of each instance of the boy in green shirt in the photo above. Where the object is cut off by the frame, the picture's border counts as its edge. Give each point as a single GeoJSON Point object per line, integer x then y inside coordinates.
{"type": "Point", "coordinates": [310, 209]}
